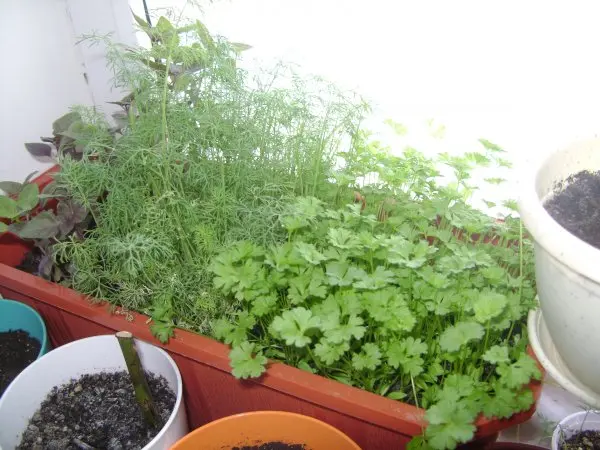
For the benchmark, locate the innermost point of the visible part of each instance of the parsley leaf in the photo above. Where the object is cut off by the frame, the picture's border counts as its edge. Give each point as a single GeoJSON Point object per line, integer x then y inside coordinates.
{"type": "Point", "coordinates": [406, 354]}
{"type": "Point", "coordinates": [496, 354]}
{"type": "Point", "coordinates": [454, 337]}
{"type": "Point", "coordinates": [519, 373]}
{"type": "Point", "coordinates": [342, 238]}
{"type": "Point", "coordinates": [380, 278]}
{"type": "Point", "coordinates": [310, 253]}
{"type": "Point", "coordinates": [368, 358]}
{"type": "Point", "coordinates": [488, 305]}
{"type": "Point", "coordinates": [337, 332]}
{"type": "Point", "coordinates": [450, 423]}
{"type": "Point", "coordinates": [329, 352]}
{"type": "Point", "coordinates": [244, 364]}
{"type": "Point", "coordinates": [293, 325]}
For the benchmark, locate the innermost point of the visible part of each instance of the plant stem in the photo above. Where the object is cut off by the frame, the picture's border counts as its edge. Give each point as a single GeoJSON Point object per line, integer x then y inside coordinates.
{"type": "Point", "coordinates": [138, 378]}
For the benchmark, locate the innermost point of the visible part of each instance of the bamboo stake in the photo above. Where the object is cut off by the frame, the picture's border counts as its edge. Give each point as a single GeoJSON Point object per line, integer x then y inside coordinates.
{"type": "Point", "coordinates": [138, 378]}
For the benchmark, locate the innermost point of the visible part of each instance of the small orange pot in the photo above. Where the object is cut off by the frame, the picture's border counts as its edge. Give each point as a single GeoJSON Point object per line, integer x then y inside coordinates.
{"type": "Point", "coordinates": [260, 427]}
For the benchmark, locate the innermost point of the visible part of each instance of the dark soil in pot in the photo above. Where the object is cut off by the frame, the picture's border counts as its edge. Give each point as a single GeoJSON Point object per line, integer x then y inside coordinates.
{"type": "Point", "coordinates": [99, 410]}
{"type": "Point", "coordinates": [17, 350]}
{"type": "Point", "coordinates": [576, 206]}
{"type": "Point", "coordinates": [584, 440]}
{"type": "Point", "coordinates": [272, 446]}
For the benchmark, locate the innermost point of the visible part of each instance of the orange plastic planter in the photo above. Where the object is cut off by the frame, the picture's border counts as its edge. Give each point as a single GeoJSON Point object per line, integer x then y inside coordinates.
{"type": "Point", "coordinates": [260, 427]}
{"type": "Point", "coordinates": [211, 392]}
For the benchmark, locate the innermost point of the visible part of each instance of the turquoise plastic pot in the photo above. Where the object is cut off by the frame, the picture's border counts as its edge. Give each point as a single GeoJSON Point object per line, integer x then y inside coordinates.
{"type": "Point", "coordinates": [19, 316]}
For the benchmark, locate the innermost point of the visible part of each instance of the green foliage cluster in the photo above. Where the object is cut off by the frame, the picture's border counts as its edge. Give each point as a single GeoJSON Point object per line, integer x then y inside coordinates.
{"type": "Point", "coordinates": [209, 156]}
{"type": "Point", "coordinates": [424, 299]}
{"type": "Point", "coordinates": [219, 204]}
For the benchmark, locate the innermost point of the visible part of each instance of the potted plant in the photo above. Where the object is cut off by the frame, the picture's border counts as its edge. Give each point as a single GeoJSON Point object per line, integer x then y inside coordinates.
{"type": "Point", "coordinates": [205, 162]}
{"type": "Point", "coordinates": [276, 430]}
{"type": "Point", "coordinates": [558, 206]}
{"type": "Point", "coordinates": [23, 339]}
{"type": "Point", "coordinates": [87, 398]}
{"type": "Point", "coordinates": [580, 430]}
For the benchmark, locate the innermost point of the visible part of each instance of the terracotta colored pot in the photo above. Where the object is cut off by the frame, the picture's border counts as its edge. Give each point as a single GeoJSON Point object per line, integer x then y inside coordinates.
{"type": "Point", "coordinates": [211, 392]}
{"type": "Point", "coordinates": [260, 427]}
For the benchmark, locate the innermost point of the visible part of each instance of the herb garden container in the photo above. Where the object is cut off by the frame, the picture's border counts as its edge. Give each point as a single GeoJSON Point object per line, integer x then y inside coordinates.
{"type": "Point", "coordinates": [568, 279]}
{"type": "Point", "coordinates": [580, 422]}
{"type": "Point", "coordinates": [86, 356]}
{"type": "Point", "coordinates": [15, 318]}
{"type": "Point", "coordinates": [264, 427]}
{"type": "Point", "coordinates": [212, 393]}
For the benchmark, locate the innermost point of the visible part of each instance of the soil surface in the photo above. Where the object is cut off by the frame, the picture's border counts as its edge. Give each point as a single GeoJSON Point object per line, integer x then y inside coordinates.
{"type": "Point", "coordinates": [99, 410]}
{"type": "Point", "coordinates": [272, 446]}
{"type": "Point", "coordinates": [17, 351]}
{"type": "Point", "coordinates": [576, 206]}
{"type": "Point", "coordinates": [584, 440]}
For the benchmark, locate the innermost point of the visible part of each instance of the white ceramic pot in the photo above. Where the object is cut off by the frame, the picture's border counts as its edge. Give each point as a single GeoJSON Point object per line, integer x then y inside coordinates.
{"type": "Point", "coordinates": [567, 268]}
{"type": "Point", "coordinates": [576, 422]}
{"type": "Point", "coordinates": [91, 355]}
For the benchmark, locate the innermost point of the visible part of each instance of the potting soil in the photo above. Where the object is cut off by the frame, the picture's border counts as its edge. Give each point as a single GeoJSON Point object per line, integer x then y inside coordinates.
{"type": "Point", "coordinates": [584, 440]}
{"type": "Point", "coordinates": [99, 410]}
{"type": "Point", "coordinates": [17, 350]}
{"type": "Point", "coordinates": [576, 206]}
{"type": "Point", "coordinates": [272, 446]}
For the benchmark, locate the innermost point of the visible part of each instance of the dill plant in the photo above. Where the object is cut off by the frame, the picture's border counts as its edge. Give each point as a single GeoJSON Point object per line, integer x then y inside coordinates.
{"type": "Point", "coordinates": [210, 156]}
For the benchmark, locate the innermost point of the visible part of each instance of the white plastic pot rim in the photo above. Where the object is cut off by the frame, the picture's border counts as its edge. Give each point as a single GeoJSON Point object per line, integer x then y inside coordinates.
{"type": "Point", "coordinates": [565, 247]}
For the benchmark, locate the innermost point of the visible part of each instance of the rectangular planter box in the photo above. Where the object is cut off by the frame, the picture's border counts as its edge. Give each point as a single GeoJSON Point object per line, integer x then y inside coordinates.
{"type": "Point", "coordinates": [211, 392]}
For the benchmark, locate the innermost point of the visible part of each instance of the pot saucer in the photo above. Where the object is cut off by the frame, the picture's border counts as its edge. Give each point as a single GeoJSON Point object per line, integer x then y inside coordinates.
{"type": "Point", "coordinates": [547, 354]}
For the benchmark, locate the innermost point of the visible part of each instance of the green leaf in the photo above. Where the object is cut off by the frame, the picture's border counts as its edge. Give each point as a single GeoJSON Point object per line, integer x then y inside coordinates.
{"type": "Point", "coordinates": [246, 362]}
{"type": "Point", "coordinates": [3, 227]}
{"type": "Point", "coordinates": [496, 354]}
{"type": "Point", "coordinates": [455, 337]}
{"type": "Point", "coordinates": [450, 423]}
{"type": "Point", "coordinates": [8, 208]}
{"type": "Point", "coordinates": [342, 238]}
{"type": "Point", "coordinates": [388, 307]}
{"type": "Point", "coordinates": [491, 146]}
{"type": "Point", "coordinates": [463, 385]}
{"type": "Point", "coordinates": [240, 47]}
{"type": "Point", "coordinates": [336, 332]}
{"type": "Point", "coordinates": [234, 334]}
{"type": "Point", "coordinates": [264, 305]}
{"type": "Point", "coordinates": [406, 355]}
{"type": "Point", "coordinates": [368, 358]}
{"type": "Point", "coordinates": [505, 402]}
{"type": "Point", "coordinates": [380, 278]}
{"type": "Point", "coordinates": [293, 325]}
{"type": "Point", "coordinates": [338, 273]}
{"type": "Point", "coordinates": [329, 352]}
{"type": "Point", "coordinates": [519, 373]}
{"type": "Point", "coordinates": [396, 395]}
{"type": "Point", "coordinates": [63, 123]}
{"type": "Point", "coordinates": [28, 197]}
{"type": "Point", "coordinates": [163, 331]}
{"type": "Point", "coordinates": [10, 187]}
{"type": "Point", "coordinates": [488, 305]}
{"type": "Point", "coordinates": [43, 226]}
{"type": "Point", "coordinates": [309, 252]}
{"type": "Point", "coordinates": [307, 284]}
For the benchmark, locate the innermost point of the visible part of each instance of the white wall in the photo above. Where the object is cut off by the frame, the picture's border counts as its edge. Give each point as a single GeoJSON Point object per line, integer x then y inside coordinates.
{"type": "Point", "coordinates": [43, 69]}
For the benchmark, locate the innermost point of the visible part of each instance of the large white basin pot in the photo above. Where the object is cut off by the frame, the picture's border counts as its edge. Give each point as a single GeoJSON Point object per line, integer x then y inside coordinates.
{"type": "Point", "coordinates": [86, 356]}
{"type": "Point", "coordinates": [567, 268]}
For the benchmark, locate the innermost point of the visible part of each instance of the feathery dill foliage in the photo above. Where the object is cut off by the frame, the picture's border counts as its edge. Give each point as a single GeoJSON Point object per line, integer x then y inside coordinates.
{"type": "Point", "coordinates": [210, 156]}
